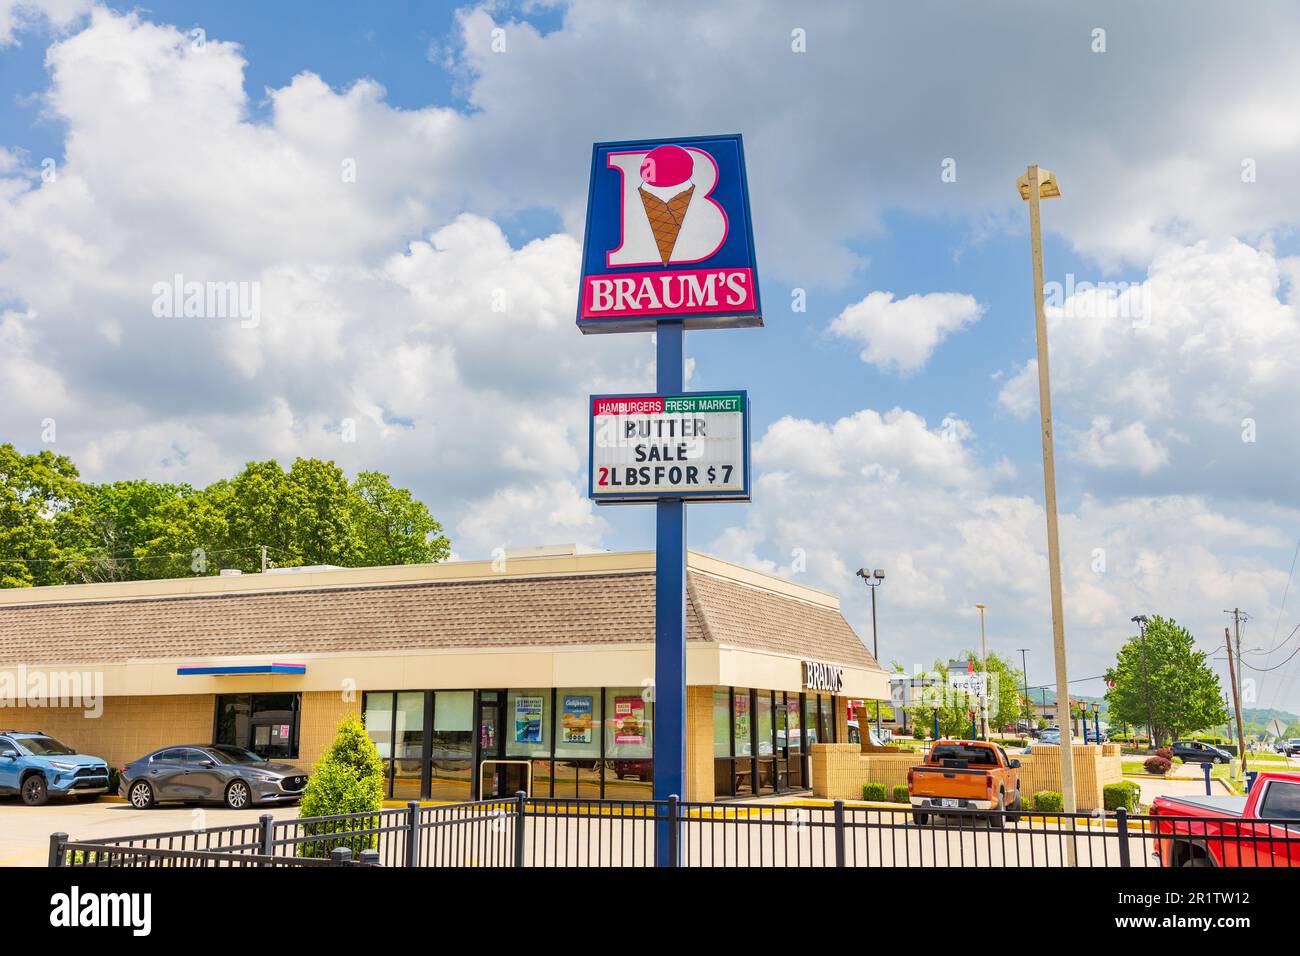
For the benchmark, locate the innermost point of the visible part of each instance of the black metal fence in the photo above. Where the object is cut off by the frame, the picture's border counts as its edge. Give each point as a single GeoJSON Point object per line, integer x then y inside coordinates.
{"type": "Point", "coordinates": [608, 833]}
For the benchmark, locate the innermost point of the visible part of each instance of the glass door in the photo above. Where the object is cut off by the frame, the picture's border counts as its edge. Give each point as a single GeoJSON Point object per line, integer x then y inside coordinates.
{"type": "Point", "coordinates": [490, 741]}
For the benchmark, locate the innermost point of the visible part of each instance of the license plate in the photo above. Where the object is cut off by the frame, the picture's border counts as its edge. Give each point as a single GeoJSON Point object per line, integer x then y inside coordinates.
{"type": "Point", "coordinates": [947, 802]}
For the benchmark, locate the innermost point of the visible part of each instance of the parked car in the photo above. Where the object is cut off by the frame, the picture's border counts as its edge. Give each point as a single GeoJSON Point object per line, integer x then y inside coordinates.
{"type": "Point", "coordinates": [1291, 747]}
{"type": "Point", "coordinates": [1228, 831]}
{"type": "Point", "coordinates": [1051, 736]}
{"type": "Point", "coordinates": [965, 775]}
{"type": "Point", "coordinates": [36, 766]}
{"type": "Point", "coordinates": [1193, 751]}
{"type": "Point", "coordinates": [200, 773]}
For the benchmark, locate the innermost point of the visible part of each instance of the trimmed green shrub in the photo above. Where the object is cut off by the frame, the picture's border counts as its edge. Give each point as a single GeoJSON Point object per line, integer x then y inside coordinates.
{"type": "Point", "coordinates": [873, 791]}
{"type": "Point", "coordinates": [901, 795]}
{"type": "Point", "coordinates": [1048, 801]}
{"type": "Point", "coordinates": [1123, 794]}
{"type": "Point", "coordinates": [349, 778]}
{"type": "Point", "coordinates": [1158, 766]}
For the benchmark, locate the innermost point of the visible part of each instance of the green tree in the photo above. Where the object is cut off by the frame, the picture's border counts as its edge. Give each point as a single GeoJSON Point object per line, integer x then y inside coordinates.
{"type": "Point", "coordinates": [114, 523]}
{"type": "Point", "coordinates": [392, 527]}
{"type": "Point", "coordinates": [40, 529]}
{"type": "Point", "coordinates": [349, 778]}
{"type": "Point", "coordinates": [1184, 692]}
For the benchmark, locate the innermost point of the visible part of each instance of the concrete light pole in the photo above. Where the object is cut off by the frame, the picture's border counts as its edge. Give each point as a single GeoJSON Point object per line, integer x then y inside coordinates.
{"type": "Point", "coordinates": [873, 580]}
{"type": "Point", "coordinates": [1036, 185]}
{"type": "Point", "coordinates": [984, 666]}
{"type": "Point", "coordinates": [1024, 676]}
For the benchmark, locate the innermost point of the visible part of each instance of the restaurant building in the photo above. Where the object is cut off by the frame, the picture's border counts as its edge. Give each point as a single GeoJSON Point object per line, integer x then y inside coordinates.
{"type": "Point", "coordinates": [532, 672]}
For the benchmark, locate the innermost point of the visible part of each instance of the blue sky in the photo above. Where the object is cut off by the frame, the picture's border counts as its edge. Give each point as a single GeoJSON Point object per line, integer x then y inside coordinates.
{"type": "Point", "coordinates": [222, 163]}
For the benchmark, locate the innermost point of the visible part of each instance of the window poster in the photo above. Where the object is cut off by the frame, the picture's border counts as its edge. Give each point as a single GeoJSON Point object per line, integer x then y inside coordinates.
{"type": "Point", "coordinates": [528, 720]}
{"type": "Point", "coordinates": [629, 720]}
{"type": "Point", "coordinates": [576, 719]}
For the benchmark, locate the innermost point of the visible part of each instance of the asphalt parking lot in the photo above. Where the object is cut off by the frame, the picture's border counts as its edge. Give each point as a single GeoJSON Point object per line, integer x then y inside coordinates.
{"type": "Point", "coordinates": [25, 831]}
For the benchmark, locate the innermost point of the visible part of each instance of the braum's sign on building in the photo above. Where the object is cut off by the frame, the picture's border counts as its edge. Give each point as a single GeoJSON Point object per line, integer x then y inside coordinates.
{"type": "Point", "coordinates": [668, 236]}
{"type": "Point", "coordinates": [693, 446]}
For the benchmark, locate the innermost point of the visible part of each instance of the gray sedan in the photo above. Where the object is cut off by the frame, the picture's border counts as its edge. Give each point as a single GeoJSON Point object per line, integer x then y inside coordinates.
{"type": "Point", "coordinates": [200, 773]}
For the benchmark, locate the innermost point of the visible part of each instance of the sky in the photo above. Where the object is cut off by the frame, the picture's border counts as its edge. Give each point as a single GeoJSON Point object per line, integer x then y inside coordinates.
{"type": "Point", "coordinates": [403, 185]}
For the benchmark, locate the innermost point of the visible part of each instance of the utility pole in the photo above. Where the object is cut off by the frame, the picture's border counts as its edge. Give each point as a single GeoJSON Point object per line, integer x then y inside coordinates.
{"type": "Point", "coordinates": [1238, 615]}
{"type": "Point", "coordinates": [1141, 621]}
{"type": "Point", "coordinates": [1024, 676]}
{"type": "Point", "coordinates": [1236, 698]}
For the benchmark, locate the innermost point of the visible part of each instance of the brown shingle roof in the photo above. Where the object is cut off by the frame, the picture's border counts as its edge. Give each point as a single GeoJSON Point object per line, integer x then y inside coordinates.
{"type": "Point", "coordinates": [510, 612]}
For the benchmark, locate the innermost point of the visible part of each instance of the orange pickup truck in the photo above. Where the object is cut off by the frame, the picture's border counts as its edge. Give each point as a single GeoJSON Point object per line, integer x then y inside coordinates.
{"type": "Point", "coordinates": [965, 775]}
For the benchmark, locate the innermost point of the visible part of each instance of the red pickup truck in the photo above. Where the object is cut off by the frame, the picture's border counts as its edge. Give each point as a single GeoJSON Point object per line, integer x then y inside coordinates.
{"type": "Point", "coordinates": [1260, 829]}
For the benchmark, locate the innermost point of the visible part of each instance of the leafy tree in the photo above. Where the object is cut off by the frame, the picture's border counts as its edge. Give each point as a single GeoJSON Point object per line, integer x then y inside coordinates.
{"type": "Point", "coordinates": [1185, 693]}
{"type": "Point", "coordinates": [114, 522]}
{"type": "Point", "coordinates": [392, 527]}
{"type": "Point", "coordinates": [39, 529]}
{"type": "Point", "coordinates": [349, 778]}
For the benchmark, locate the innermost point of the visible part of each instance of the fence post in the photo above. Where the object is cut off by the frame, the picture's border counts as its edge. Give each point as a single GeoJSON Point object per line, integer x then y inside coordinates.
{"type": "Point", "coordinates": [1121, 827]}
{"type": "Point", "coordinates": [370, 857]}
{"type": "Point", "coordinates": [839, 832]}
{"type": "Point", "coordinates": [521, 808]}
{"type": "Point", "coordinates": [1205, 769]}
{"type": "Point", "coordinates": [266, 838]}
{"type": "Point", "coordinates": [56, 848]}
{"type": "Point", "coordinates": [413, 834]}
{"type": "Point", "coordinates": [672, 830]}
{"type": "Point", "coordinates": [341, 855]}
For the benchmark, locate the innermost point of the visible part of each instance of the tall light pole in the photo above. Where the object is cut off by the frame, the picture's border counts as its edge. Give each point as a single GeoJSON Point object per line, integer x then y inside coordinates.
{"type": "Point", "coordinates": [873, 580]}
{"type": "Point", "coordinates": [1141, 621]}
{"type": "Point", "coordinates": [1024, 675]}
{"type": "Point", "coordinates": [1036, 185]}
{"type": "Point", "coordinates": [984, 666]}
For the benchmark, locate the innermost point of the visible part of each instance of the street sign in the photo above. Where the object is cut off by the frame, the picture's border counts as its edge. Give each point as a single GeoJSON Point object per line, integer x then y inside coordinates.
{"type": "Point", "coordinates": [693, 446]}
{"type": "Point", "coordinates": [668, 236]}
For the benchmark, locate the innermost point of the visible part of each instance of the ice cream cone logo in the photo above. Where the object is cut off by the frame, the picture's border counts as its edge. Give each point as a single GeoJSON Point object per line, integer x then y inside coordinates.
{"type": "Point", "coordinates": [666, 190]}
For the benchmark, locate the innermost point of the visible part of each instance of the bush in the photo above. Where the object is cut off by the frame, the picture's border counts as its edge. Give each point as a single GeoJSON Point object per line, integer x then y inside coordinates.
{"type": "Point", "coordinates": [1048, 801]}
{"type": "Point", "coordinates": [1123, 794]}
{"type": "Point", "coordinates": [901, 795]}
{"type": "Point", "coordinates": [1158, 766]}
{"type": "Point", "coordinates": [1165, 752]}
{"type": "Point", "coordinates": [873, 791]}
{"type": "Point", "coordinates": [348, 779]}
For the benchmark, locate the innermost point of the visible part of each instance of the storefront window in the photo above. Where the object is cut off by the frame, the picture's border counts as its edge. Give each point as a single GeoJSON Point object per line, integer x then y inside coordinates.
{"type": "Point", "coordinates": [408, 750]}
{"type": "Point", "coordinates": [453, 745]}
{"type": "Point", "coordinates": [377, 714]}
{"type": "Point", "coordinates": [744, 740]}
{"type": "Point", "coordinates": [721, 722]}
{"type": "Point", "coordinates": [763, 717]}
{"type": "Point", "coordinates": [629, 744]}
{"type": "Point", "coordinates": [528, 718]}
{"type": "Point", "coordinates": [577, 743]}
{"type": "Point", "coordinates": [267, 724]}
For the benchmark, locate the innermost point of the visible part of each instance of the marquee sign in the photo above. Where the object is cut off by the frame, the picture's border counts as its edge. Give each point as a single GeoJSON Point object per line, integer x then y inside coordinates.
{"type": "Point", "coordinates": [823, 677]}
{"type": "Point", "coordinates": [693, 446]}
{"type": "Point", "coordinates": [668, 236]}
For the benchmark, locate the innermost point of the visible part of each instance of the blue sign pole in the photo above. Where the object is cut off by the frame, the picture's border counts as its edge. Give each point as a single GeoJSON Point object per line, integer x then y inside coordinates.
{"type": "Point", "coordinates": [670, 613]}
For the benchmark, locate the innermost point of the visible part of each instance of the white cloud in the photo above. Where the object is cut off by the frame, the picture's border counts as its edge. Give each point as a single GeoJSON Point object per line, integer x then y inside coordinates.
{"type": "Point", "coordinates": [19, 15]}
{"type": "Point", "coordinates": [901, 335]}
{"type": "Point", "coordinates": [1165, 374]}
{"type": "Point", "coordinates": [948, 538]}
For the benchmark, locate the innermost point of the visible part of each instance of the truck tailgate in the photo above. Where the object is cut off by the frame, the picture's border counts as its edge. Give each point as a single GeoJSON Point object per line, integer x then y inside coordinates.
{"type": "Point", "coordinates": [1209, 806]}
{"type": "Point", "coordinates": [949, 782]}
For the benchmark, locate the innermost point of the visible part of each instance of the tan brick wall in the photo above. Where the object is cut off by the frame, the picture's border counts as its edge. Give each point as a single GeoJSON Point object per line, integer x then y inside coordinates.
{"type": "Point", "coordinates": [129, 727]}
{"type": "Point", "coordinates": [840, 770]}
{"type": "Point", "coordinates": [321, 713]}
{"type": "Point", "coordinates": [699, 744]}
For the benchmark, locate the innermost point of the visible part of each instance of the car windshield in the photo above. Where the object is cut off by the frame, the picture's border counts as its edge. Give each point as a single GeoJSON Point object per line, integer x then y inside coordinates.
{"type": "Point", "coordinates": [43, 747]}
{"type": "Point", "coordinates": [976, 755]}
{"type": "Point", "coordinates": [236, 755]}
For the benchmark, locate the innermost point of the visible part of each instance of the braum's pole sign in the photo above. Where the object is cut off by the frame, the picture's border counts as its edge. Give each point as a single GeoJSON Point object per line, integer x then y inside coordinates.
{"type": "Point", "coordinates": [693, 446]}
{"type": "Point", "coordinates": [669, 247]}
{"type": "Point", "coordinates": [668, 237]}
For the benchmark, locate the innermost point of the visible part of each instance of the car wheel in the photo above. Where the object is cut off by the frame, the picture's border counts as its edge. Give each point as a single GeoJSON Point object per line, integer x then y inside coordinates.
{"type": "Point", "coordinates": [86, 797]}
{"type": "Point", "coordinates": [1016, 807]}
{"type": "Point", "coordinates": [920, 819]}
{"type": "Point", "coordinates": [141, 795]}
{"type": "Point", "coordinates": [35, 793]}
{"type": "Point", "coordinates": [238, 796]}
{"type": "Point", "coordinates": [996, 819]}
